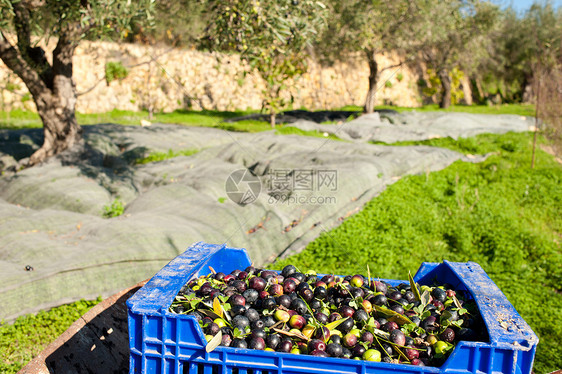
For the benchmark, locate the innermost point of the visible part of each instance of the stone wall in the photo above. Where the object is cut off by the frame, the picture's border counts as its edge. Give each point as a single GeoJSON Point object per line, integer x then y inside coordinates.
{"type": "Point", "coordinates": [166, 79]}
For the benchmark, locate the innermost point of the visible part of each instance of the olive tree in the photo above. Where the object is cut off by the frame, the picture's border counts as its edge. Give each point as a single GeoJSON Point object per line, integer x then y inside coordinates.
{"type": "Point", "coordinates": [456, 29]}
{"type": "Point", "coordinates": [24, 22]}
{"type": "Point", "coordinates": [370, 27]}
{"type": "Point", "coordinates": [272, 36]}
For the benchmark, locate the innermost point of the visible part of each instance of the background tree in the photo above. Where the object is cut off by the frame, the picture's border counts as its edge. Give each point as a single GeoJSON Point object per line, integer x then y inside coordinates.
{"type": "Point", "coordinates": [272, 36]}
{"type": "Point", "coordinates": [178, 23]}
{"type": "Point", "coordinates": [455, 28]}
{"type": "Point", "coordinates": [502, 70]}
{"type": "Point", "coordinates": [540, 45]}
{"type": "Point", "coordinates": [50, 83]}
{"type": "Point", "coordinates": [370, 27]}
{"type": "Point", "coordinates": [514, 47]}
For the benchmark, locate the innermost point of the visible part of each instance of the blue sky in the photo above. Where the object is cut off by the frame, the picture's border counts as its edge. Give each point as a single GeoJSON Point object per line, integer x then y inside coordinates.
{"type": "Point", "coordinates": [522, 5]}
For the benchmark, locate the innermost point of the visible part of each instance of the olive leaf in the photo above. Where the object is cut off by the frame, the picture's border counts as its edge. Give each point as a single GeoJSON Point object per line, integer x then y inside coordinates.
{"type": "Point", "coordinates": [217, 308]}
{"type": "Point", "coordinates": [414, 287]}
{"type": "Point", "coordinates": [380, 333]}
{"type": "Point", "coordinates": [392, 315]}
{"type": "Point", "coordinates": [191, 302]}
{"type": "Point", "coordinates": [333, 325]}
{"type": "Point", "coordinates": [238, 334]}
{"type": "Point", "coordinates": [457, 303]}
{"type": "Point", "coordinates": [418, 309]}
{"type": "Point", "coordinates": [446, 315]}
{"type": "Point", "coordinates": [409, 327]}
{"type": "Point", "coordinates": [209, 313]}
{"type": "Point", "coordinates": [295, 334]}
{"type": "Point", "coordinates": [457, 323]}
{"type": "Point", "coordinates": [425, 298]}
{"type": "Point", "coordinates": [214, 343]}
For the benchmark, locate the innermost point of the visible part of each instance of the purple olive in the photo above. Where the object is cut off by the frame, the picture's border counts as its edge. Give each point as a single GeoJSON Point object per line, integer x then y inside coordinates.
{"type": "Point", "coordinates": [257, 343]}
{"type": "Point", "coordinates": [397, 337]}
{"type": "Point", "coordinates": [257, 283]}
{"type": "Point", "coordinates": [316, 344]}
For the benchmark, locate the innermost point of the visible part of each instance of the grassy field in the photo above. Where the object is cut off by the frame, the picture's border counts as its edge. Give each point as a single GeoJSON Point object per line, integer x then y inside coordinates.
{"type": "Point", "coordinates": [499, 213]}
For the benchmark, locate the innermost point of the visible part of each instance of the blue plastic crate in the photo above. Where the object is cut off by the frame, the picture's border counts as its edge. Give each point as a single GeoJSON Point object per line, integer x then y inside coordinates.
{"type": "Point", "coordinates": [165, 343]}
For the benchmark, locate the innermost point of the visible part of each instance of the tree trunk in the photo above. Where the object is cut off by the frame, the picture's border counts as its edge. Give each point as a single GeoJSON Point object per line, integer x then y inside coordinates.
{"type": "Point", "coordinates": [373, 80]}
{"type": "Point", "coordinates": [272, 119]}
{"type": "Point", "coordinates": [60, 128]}
{"type": "Point", "coordinates": [57, 111]}
{"type": "Point", "coordinates": [51, 87]}
{"type": "Point", "coordinates": [446, 86]}
{"type": "Point", "coordinates": [477, 92]}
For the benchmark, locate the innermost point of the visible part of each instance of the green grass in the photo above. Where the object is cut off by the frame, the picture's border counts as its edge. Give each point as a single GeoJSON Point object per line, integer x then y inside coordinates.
{"type": "Point", "coordinates": [527, 110]}
{"type": "Point", "coordinates": [30, 334]}
{"type": "Point", "coordinates": [498, 213]}
{"type": "Point", "coordinates": [161, 156]}
{"type": "Point", "coordinates": [23, 119]}
{"type": "Point", "coordinates": [115, 209]}
{"type": "Point", "coordinates": [481, 144]}
{"type": "Point", "coordinates": [18, 119]}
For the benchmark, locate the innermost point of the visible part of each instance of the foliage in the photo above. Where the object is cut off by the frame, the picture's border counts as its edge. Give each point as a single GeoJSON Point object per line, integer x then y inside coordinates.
{"type": "Point", "coordinates": [115, 70]}
{"type": "Point", "coordinates": [30, 334]}
{"type": "Point", "coordinates": [498, 213]}
{"type": "Point", "coordinates": [432, 86]}
{"type": "Point", "coordinates": [368, 28]}
{"type": "Point", "coordinates": [456, 33]}
{"type": "Point", "coordinates": [518, 42]}
{"type": "Point", "coordinates": [176, 22]}
{"type": "Point", "coordinates": [99, 17]}
{"type": "Point", "coordinates": [115, 209]}
{"type": "Point", "coordinates": [161, 156]}
{"type": "Point", "coordinates": [271, 36]}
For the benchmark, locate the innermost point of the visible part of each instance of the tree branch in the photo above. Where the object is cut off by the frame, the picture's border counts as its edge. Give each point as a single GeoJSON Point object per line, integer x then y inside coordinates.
{"type": "Point", "coordinates": [21, 24]}
{"type": "Point", "coordinates": [392, 66]}
{"type": "Point", "coordinates": [15, 62]}
{"type": "Point", "coordinates": [152, 59]}
{"type": "Point", "coordinates": [34, 56]}
{"type": "Point", "coordinates": [62, 54]}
